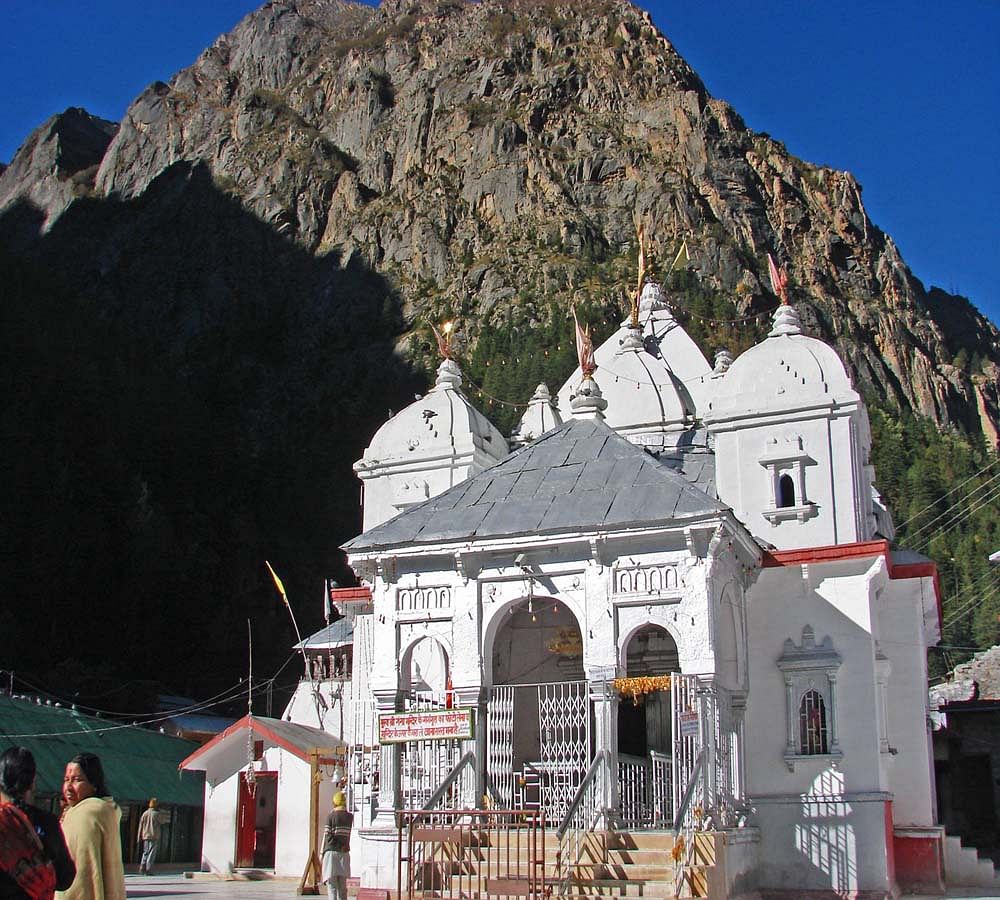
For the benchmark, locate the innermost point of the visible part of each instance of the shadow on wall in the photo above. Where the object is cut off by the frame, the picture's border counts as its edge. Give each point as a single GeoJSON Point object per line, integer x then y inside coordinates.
{"type": "Point", "coordinates": [826, 836]}
{"type": "Point", "coordinates": [185, 392]}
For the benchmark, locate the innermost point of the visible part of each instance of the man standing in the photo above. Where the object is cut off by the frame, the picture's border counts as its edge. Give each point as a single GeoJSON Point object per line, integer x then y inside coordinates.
{"type": "Point", "coordinates": [149, 834]}
{"type": "Point", "coordinates": [337, 848]}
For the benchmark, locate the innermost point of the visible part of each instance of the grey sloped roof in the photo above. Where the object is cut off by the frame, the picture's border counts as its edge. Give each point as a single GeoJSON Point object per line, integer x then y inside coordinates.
{"type": "Point", "coordinates": [693, 459]}
{"type": "Point", "coordinates": [579, 476]}
{"type": "Point", "coordinates": [336, 634]}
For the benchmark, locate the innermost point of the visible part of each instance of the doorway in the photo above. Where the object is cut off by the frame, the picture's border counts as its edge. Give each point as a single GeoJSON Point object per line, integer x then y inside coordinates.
{"type": "Point", "coordinates": [256, 820]}
{"type": "Point", "coordinates": [645, 725]}
{"type": "Point", "coordinates": [539, 715]}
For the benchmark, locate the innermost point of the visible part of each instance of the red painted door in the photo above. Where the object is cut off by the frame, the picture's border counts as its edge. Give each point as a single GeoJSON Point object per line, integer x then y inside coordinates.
{"type": "Point", "coordinates": [256, 821]}
{"type": "Point", "coordinates": [246, 819]}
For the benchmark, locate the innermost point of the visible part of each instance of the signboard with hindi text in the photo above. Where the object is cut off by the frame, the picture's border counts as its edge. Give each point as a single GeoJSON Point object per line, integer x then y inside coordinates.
{"type": "Point", "coordinates": [426, 725]}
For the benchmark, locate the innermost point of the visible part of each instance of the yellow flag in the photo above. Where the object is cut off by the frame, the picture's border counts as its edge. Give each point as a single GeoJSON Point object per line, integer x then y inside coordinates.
{"type": "Point", "coordinates": [682, 254]}
{"type": "Point", "coordinates": [277, 583]}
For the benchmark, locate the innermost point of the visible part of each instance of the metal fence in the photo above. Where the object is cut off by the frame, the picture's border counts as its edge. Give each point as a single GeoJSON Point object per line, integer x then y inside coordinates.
{"type": "Point", "coordinates": [471, 853]}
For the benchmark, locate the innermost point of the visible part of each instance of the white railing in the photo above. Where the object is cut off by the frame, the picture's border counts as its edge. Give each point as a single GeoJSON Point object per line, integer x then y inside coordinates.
{"type": "Point", "coordinates": [661, 792]}
{"type": "Point", "coordinates": [424, 765]}
{"type": "Point", "coordinates": [635, 783]}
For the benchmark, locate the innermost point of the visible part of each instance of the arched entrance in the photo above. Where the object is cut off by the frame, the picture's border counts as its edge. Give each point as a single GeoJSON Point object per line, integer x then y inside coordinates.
{"type": "Point", "coordinates": [644, 722]}
{"type": "Point", "coordinates": [425, 683]}
{"type": "Point", "coordinates": [538, 716]}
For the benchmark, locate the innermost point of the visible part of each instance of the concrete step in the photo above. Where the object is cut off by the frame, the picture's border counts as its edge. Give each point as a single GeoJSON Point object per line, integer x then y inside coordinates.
{"type": "Point", "coordinates": [615, 887]}
{"type": "Point", "coordinates": [964, 868]}
{"type": "Point", "coordinates": [642, 840]}
{"type": "Point", "coordinates": [623, 856]}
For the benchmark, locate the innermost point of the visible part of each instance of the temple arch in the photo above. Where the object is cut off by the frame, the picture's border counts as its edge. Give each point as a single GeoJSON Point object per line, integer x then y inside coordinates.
{"type": "Point", "coordinates": [644, 722]}
{"type": "Point", "coordinates": [425, 668]}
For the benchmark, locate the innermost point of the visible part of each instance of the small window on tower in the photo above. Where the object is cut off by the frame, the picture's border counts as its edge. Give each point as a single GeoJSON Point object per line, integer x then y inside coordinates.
{"type": "Point", "coordinates": [812, 724]}
{"type": "Point", "coordinates": [786, 492]}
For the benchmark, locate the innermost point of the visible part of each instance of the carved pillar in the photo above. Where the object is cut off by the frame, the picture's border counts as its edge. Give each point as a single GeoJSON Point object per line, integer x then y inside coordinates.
{"type": "Point", "coordinates": [832, 715]}
{"type": "Point", "coordinates": [389, 768]}
{"type": "Point", "coordinates": [791, 746]}
{"type": "Point", "coordinates": [604, 702]}
{"type": "Point", "coordinates": [473, 788]}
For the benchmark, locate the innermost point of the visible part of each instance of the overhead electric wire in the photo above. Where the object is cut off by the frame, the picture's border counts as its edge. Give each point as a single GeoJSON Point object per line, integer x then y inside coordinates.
{"type": "Point", "coordinates": [954, 508]}
{"type": "Point", "coordinates": [957, 487]}
{"type": "Point", "coordinates": [229, 694]}
{"type": "Point", "coordinates": [959, 518]}
{"type": "Point", "coordinates": [973, 603]}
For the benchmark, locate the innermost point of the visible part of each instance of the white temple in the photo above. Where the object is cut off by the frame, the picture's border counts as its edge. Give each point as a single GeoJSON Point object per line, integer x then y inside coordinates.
{"type": "Point", "coordinates": [672, 608]}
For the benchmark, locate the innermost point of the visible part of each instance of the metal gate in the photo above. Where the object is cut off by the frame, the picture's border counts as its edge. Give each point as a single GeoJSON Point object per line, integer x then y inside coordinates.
{"type": "Point", "coordinates": [563, 743]}
{"type": "Point", "coordinates": [500, 742]}
{"type": "Point", "coordinates": [686, 714]}
{"type": "Point", "coordinates": [471, 853]}
{"type": "Point", "coordinates": [564, 740]}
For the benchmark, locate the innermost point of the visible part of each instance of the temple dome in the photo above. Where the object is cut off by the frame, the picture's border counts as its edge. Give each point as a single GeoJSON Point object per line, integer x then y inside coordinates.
{"type": "Point", "coordinates": [439, 423]}
{"type": "Point", "coordinates": [652, 380]}
{"type": "Point", "coordinates": [434, 443]}
{"type": "Point", "coordinates": [540, 416]}
{"type": "Point", "coordinates": [787, 370]}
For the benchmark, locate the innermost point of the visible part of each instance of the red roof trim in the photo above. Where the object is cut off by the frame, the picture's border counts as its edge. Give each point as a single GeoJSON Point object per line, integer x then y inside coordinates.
{"type": "Point", "coordinates": [860, 550]}
{"type": "Point", "coordinates": [774, 558]}
{"type": "Point", "coordinates": [242, 725]}
{"type": "Point", "coordinates": [351, 595]}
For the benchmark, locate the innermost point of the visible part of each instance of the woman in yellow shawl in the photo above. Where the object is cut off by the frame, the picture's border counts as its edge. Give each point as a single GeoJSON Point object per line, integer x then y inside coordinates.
{"type": "Point", "coordinates": [90, 824]}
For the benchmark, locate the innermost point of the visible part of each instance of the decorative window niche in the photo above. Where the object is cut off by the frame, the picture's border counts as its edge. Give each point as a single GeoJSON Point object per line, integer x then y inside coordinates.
{"type": "Point", "coordinates": [786, 463]}
{"type": "Point", "coordinates": [645, 580]}
{"type": "Point", "coordinates": [810, 671]}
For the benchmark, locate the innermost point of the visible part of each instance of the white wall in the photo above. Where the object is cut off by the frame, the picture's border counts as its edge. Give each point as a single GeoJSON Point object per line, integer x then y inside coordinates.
{"type": "Point", "coordinates": [822, 825]}
{"type": "Point", "coordinates": [291, 849]}
{"type": "Point", "coordinates": [831, 484]}
{"type": "Point", "coordinates": [903, 641]}
{"type": "Point", "coordinates": [835, 844]}
{"type": "Point", "coordinates": [834, 601]}
{"type": "Point", "coordinates": [292, 827]}
{"type": "Point", "coordinates": [218, 845]}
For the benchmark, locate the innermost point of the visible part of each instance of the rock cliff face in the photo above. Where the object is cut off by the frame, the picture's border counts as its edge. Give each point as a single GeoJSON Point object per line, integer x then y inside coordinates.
{"type": "Point", "coordinates": [491, 154]}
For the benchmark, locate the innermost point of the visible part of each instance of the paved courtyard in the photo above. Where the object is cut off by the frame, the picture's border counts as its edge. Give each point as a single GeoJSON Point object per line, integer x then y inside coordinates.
{"type": "Point", "coordinates": [165, 887]}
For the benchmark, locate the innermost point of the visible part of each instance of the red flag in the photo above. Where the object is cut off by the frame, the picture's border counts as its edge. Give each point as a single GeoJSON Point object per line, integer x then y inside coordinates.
{"type": "Point", "coordinates": [779, 280]}
{"type": "Point", "coordinates": [584, 348]}
{"type": "Point", "coordinates": [444, 340]}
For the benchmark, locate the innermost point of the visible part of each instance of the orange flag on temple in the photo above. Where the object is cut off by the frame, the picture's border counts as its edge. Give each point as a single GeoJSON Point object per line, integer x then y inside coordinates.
{"type": "Point", "coordinates": [584, 348]}
{"type": "Point", "coordinates": [444, 340]}
{"type": "Point", "coordinates": [779, 280]}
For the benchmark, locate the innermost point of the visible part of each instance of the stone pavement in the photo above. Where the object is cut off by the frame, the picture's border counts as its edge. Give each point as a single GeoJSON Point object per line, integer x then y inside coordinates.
{"type": "Point", "coordinates": [176, 887]}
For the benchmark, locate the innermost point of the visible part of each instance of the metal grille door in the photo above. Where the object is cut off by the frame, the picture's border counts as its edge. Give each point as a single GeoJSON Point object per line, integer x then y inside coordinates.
{"type": "Point", "coordinates": [500, 741]}
{"type": "Point", "coordinates": [686, 714]}
{"type": "Point", "coordinates": [564, 739]}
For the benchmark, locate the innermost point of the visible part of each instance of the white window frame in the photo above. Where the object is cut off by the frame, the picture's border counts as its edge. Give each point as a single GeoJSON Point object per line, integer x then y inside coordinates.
{"type": "Point", "coordinates": [810, 667]}
{"type": "Point", "coordinates": [788, 459]}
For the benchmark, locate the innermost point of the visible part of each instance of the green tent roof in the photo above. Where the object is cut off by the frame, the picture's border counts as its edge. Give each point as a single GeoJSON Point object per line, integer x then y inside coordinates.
{"type": "Point", "coordinates": [138, 763]}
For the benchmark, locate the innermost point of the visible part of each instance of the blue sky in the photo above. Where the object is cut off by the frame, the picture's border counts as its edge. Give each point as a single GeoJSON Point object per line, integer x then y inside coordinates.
{"type": "Point", "coordinates": [906, 95]}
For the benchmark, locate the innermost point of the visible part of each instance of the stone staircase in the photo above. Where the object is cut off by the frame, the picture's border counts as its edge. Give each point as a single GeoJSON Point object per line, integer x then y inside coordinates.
{"type": "Point", "coordinates": [612, 864]}
{"type": "Point", "coordinates": [639, 864]}
{"type": "Point", "coordinates": [964, 868]}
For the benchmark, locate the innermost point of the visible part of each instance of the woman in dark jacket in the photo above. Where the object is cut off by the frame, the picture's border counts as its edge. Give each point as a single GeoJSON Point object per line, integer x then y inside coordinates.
{"type": "Point", "coordinates": [17, 787]}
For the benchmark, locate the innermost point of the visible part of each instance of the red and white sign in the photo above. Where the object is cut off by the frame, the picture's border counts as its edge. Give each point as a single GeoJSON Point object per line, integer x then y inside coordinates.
{"type": "Point", "coordinates": [689, 723]}
{"type": "Point", "coordinates": [429, 725]}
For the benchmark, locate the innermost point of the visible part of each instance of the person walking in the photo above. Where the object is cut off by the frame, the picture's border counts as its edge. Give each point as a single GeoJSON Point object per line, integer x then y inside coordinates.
{"type": "Point", "coordinates": [91, 825]}
{"type": "Point", "coordinates": [34, 859]}
{"type": "Point", "coordinates": [149, 833]}
{"type": "Point", "coordinates": [337, 848]}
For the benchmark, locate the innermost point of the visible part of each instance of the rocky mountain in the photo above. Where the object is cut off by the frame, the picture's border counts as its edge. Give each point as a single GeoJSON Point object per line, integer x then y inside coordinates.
{"type": "Point", "coordinates": [487, 154]}
{"type": "Point", "coordinates": [214, 303]}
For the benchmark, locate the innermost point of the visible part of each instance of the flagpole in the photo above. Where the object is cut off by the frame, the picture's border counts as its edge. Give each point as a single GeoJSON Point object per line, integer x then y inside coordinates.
{"type": "Point", "coordinates": [284, 596]}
